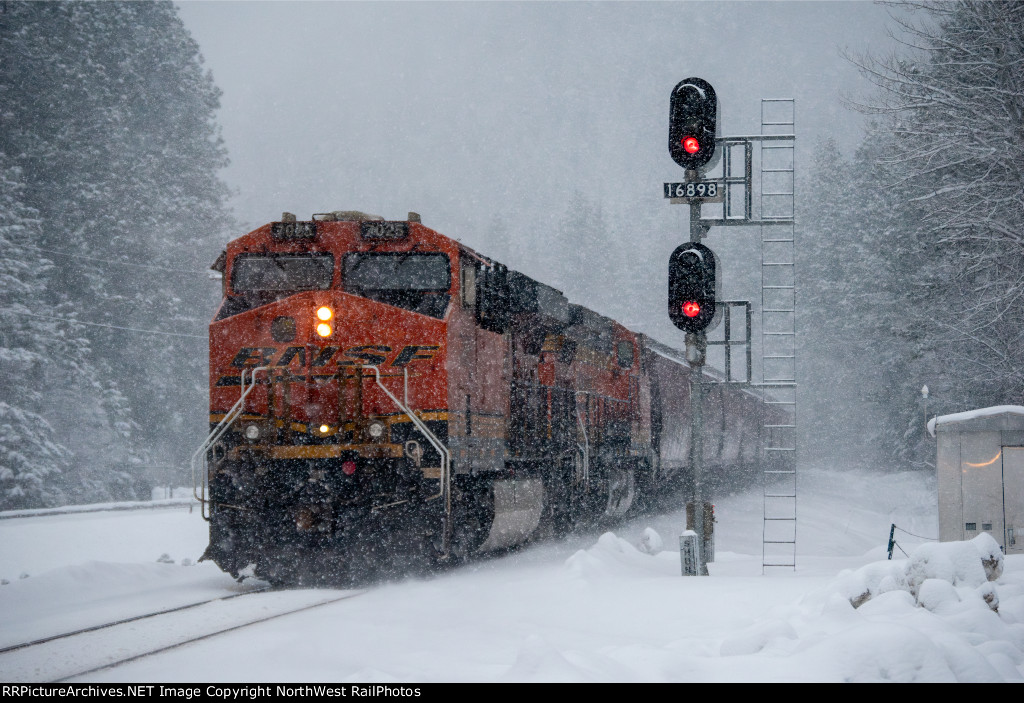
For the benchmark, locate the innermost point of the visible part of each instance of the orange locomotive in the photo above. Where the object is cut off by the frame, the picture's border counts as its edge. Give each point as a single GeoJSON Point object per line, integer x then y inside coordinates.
{"type": "Point", "coordinates": [382, 396]}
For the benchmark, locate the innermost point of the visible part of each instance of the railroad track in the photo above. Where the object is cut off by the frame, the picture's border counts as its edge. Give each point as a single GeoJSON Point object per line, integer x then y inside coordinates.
{"type": "Point", "coordinates": [69, 655]}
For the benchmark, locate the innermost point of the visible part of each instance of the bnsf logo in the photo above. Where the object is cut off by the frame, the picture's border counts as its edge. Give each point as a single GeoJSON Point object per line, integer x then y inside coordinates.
{"type": "Point", "coordinates": [375, 354]}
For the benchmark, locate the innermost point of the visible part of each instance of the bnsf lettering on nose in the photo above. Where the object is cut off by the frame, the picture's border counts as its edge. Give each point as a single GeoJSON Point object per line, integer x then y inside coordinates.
{"type": "Point", "coordinates": [375, 354]}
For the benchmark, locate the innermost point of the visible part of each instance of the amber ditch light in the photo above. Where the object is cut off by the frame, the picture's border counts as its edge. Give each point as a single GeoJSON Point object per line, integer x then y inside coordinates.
{"type": "Point", "coordinates": [324, 313]}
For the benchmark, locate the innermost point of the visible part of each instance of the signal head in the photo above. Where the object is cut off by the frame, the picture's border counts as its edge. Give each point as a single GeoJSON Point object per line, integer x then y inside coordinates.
{"type": "Point", "coordinates": [693, 116]}
{"type": "Point", "coordinates": [692, 284]}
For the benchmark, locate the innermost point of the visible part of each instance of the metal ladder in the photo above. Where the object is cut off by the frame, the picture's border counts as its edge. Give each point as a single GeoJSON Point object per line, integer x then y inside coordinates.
{"type": "Point", "coordinates": [778, 333]}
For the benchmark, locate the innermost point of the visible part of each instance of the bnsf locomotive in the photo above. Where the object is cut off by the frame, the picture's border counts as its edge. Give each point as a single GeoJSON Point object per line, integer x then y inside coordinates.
{"type": "Point", "coordinates": [382, 396]}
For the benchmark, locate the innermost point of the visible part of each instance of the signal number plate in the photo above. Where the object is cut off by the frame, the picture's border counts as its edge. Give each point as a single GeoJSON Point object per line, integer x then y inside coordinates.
{"type": "Point", "coordinates": [705, 191]}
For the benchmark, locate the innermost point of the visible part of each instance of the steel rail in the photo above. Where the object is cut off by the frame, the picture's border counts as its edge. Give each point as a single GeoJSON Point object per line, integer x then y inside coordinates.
{"type": "Point", "coordinates": [207, 636]}
{"type": "Point", "coordinates": [64, 677]}
{"type": "Point", "coordinates": [136, 618]}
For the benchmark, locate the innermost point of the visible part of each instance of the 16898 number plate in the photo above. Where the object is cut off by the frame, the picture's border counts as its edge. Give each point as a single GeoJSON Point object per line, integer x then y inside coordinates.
{"type": "Point", "coordinates": [708, 191]}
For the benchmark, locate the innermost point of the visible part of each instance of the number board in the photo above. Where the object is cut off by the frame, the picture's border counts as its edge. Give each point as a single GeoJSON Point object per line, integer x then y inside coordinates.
{"type": "Point", "coordinates": [704, 191]}
{"type": "Point", "coordinates": [293, 230]}
{"type": "Point", "coordinates": [382, 229]}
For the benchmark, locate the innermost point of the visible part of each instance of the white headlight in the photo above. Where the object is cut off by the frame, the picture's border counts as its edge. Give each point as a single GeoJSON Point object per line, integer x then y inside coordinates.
{"type": "Point", "coordinates": [376, 430]}
{"type": "Point", "coordinates": [252, 432]}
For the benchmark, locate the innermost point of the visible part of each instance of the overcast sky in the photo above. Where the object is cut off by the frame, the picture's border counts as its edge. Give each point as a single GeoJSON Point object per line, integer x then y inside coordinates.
{"type": "Point", "coordinates": [473, 112]}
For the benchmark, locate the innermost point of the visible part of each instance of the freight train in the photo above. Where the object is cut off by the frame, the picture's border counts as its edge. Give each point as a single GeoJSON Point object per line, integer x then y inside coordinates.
{"type": "Point", "coordinates": [384, 397]}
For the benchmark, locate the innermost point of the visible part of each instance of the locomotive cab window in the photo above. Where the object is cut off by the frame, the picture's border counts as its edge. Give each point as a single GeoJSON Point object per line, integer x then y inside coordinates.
{"type": "Point", "coordinates": [415, 281]}
{"type": "Point", "coordinates": [259, 279]}
{"type": "Point", "coordinates": [255, 273]}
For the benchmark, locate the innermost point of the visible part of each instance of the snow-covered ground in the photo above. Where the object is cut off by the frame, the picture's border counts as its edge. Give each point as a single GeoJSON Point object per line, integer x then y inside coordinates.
{"type": "Point", "coordinates": [592, 608]}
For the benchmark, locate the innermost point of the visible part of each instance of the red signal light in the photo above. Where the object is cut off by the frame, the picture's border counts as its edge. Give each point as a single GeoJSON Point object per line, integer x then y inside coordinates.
{"type": "Point", "coordinates": [692, 116]}
{"type": "Point", "coordinates": [692, 286]}
{"type": "Point", "coordinates": [348, 467]}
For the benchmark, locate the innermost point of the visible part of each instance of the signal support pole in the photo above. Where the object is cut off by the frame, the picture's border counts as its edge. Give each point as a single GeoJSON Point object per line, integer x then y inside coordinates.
{"type": "Point", "coordinates": [698, 229]}
{"type": "Point", "coordinates": [696, 347]}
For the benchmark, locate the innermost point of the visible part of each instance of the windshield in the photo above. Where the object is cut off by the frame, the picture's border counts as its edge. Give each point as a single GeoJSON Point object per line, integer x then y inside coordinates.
{"type": "Point", "coordinates": [416, 282]}
{"type": "Point", "coordinates": [397, 272]}
{"type": "Point", "coordinates": [282, 272]}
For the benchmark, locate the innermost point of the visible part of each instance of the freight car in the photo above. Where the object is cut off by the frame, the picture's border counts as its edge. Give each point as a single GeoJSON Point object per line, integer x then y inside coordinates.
{"type": "Point", "coordinates": [383, 397]}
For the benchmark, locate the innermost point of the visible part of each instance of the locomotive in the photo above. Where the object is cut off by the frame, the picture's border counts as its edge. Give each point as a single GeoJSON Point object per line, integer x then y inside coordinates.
{"type": "Point", "coordinates": [383, 397]}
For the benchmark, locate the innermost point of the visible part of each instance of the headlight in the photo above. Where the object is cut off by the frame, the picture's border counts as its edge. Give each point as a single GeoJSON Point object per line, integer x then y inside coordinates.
{"type": "Point", "coordinates": [376, 430]}
{"type": "Point", "coordinates": [324, 313]}
{"type": "Point", "coordinates": [252, 432]}
{"type": "Point", "coordinates": [323, 329]}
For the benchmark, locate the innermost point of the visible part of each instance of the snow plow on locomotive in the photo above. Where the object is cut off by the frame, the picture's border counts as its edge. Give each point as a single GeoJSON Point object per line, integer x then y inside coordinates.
{"type": "Point", "coordinates": [383, 398]}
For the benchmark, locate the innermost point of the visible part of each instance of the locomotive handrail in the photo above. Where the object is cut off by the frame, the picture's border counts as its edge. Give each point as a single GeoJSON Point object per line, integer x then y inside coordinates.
{"type": "Point", "coordinates": [445, 482]}
{"type": "Point", "coordinates": [586, 441]}
{"type": "Point", "coordinates": [215, 434]}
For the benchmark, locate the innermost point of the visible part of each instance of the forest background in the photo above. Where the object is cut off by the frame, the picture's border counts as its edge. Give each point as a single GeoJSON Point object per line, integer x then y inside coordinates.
{"type": "Point", "coordinates": [113, 206]}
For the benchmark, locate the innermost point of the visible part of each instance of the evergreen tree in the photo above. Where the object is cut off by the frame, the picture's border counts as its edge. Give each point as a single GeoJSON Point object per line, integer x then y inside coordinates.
{"type": "Point", "coordinates": [953, 105]}
{"type": "Point", "coordinates": [108, 112]}
{"type": "Point", "coordinates": [920, 259]}
{"type": "Point", "coordinates": [841, 269]}
{"type": "Point", "coordinates": [892, 319]}
{"type": "Point", "coordinates": [863, 353]}
{"type": "Point", "coordinates": [31, 459]}
{"type": "Point", "coordinates": [582, 256]}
